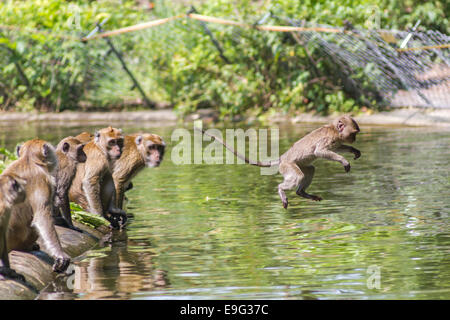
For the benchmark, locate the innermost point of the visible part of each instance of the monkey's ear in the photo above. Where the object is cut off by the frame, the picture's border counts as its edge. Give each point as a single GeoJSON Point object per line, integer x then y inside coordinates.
{"type": "Point", "coordinates": [18, 150]}
{"type": "Point", "coordinates": [138, 140]}
{"type": "Point", "coordinates": [97, 136]}
{"type": "Point", "coordinates": [45, 150]}
{"type": "Point", "coordinates": [66, 147]}
{"type": "Point", "coordinates": [340, 126]}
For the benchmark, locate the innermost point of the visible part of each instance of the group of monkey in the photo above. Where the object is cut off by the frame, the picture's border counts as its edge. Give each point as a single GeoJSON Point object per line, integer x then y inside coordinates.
{"type": "Point", "coordinates": [96, 170]}
{"type": "Point", "coordinates": [93, 171]}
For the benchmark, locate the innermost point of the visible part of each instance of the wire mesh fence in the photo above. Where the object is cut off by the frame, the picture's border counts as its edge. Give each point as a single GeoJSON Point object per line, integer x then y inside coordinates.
{"type": "Point", "coordinates": [373, 65]}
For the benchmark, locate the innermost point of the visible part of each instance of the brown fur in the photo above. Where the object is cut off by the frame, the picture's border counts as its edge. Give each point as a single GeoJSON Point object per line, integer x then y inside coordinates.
{"type": "Point", "coordinates": [12, 192]}
{"type": "Point", "coordinates": [33, 217]}
{"type": "Point", "coordinates": [324, 142]}
{"type": "Point", "coordinates": [140, 150]}
{"type": "Point", "coordinates": [69, 152]}
{"type": "Point", "coordinates": [93, 186]}
{"type": "Point", "coordinates": [85, 137]}
{"type": "Point", "coordinates": [295, 164]}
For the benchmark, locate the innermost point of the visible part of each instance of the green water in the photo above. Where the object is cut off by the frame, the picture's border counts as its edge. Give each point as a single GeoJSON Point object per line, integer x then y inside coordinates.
{"type": "Point", "coordinates": [220, 231]}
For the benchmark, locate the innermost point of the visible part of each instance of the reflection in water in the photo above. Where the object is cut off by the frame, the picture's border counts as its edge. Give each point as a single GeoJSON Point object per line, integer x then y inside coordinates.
{"type": "Point", "coordinates": [219, 231]}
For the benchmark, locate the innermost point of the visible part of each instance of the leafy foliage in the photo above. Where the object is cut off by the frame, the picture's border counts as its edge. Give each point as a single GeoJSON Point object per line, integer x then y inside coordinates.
{"type": "Point", "coordinates": [177, 62]}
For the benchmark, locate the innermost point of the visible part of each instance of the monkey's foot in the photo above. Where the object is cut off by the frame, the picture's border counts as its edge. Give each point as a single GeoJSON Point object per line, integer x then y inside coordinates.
{"type": "Point", "coordinates": [313, 197]}
{"type": "Point", "coordinates": [61, 264]}
{"type": "Point", "coordinates": [316, 198]}
{"type": "Point", "coordinates": [11, 274]}
{"type": "Point", "coordinates": [117, 221]}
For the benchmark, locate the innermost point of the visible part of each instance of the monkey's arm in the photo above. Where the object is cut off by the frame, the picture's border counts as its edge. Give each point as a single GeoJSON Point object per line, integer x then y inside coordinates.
{"type": "Point", "coordinates": [3, 248]}
{"type": "Point", "coordinates": [91, 188]}
{"type": "Point", "coordinates": [345, 148]}
{"type": "Point", "coordinates": [330, 155]}
{"type": "Point", "coordinates": [120, 191]}
{"type": "Point", "coordinates": [42, 207]}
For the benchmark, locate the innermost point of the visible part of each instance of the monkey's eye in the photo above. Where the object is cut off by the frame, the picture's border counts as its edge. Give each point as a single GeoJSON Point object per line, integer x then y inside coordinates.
{"type": "Point", "coordinates": [120, 142]}
{"type": "Point", "coordinates": [112, 142]}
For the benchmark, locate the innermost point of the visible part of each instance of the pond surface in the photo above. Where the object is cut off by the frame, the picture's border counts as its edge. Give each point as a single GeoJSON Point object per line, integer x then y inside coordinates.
{"type": "Point", "coordinates": [220, 231]}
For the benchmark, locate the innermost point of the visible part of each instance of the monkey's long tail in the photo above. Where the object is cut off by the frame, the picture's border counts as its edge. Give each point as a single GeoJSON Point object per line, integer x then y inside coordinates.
{"type": "Point", "coordinates": [240, 156]}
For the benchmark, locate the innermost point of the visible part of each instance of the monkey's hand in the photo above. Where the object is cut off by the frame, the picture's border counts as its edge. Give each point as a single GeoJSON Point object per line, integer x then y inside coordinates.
{"type": "Point", "coordinates": [117, 218]}
{"type": "Point", "coordinates": [357, 153]}
{"type": "Point", "coordinates": [346, 165]}
{"type": "Point", "coordinates": [61, 264]}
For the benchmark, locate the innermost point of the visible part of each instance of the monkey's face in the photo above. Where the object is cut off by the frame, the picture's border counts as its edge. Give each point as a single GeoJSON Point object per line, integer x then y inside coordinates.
{"type": "Point", "coordinates": [152, 148]}
{"type": "Point", "coordinates": [81, 155]}
{"type": "Point", "coordinates": [111, 141]}
{"type": "Point", "coordinates": [155, 154]}
{"type": "Point", "coordinates": [12, 191]}
{"type": "Point", "coordinates": [114, 147]}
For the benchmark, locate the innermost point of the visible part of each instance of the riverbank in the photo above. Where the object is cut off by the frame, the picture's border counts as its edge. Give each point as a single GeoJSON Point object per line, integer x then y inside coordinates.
{"type": "Point", "coordinates": [36, 266]}
{"type": "Point", "coordinates": [395, 117]}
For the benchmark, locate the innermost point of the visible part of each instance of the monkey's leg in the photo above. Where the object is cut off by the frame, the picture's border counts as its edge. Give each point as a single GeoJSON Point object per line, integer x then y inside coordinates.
{"type": "Point", "coordinates": [91, 189]}
{"type": "Point", "coordinates": [292, 177]}
{"type": "Point", "coordinates": [65, 213]}
{"type": "Point", "coordinates": [308, 171]}
{"type": "Point", "coordinates": [5, 269]}
{"type": "Point", "coordinates": [3, 247]}
{"type": "Point", "coordinates": [120, 193]}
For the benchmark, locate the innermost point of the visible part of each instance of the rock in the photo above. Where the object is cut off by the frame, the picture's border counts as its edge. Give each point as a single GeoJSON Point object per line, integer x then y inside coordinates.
{"type": "Point", "coordinates": [36, 266]}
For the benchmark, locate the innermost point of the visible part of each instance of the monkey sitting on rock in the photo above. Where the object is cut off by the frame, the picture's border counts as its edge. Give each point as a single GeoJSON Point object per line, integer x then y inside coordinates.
{"type": "Point", "coordinates": [32, 217]}
{"type": "Point", "coordinates": [93, 186]}
{"type": "Point", "coordinates": [295, 164]}
{"type": "Point", "coordinates": [69, 152]}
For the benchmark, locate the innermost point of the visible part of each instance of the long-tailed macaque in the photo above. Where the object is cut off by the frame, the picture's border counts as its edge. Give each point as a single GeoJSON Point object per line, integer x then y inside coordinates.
{"type": "Point", "coordinates": [295, 164]}
{"type": "Point", "coordinates": [33, 217]}
{"type": "Point", "coordinates": [140, 150]}
{"type": "Point", "coordinates": [93, 185]}
{"type": "Point", "coordinates": [12, 192]}
{"type": "Point", "coordinates": [69, 152]}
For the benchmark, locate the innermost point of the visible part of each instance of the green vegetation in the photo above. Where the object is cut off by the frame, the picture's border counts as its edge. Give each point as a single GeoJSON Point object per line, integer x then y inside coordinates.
{"type": "Point", "coordinates": [89, 219]}
{"type": "Point", "coordinates": [6, 157]}
{"type": "Point", "coordinates": [177, 62]}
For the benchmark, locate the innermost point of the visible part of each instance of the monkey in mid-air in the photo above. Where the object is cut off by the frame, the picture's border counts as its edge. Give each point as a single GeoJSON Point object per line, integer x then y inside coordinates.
{"type": "Point", "coordinates": [93, 185]}
{"type": "Point", "coordinates": [33, 216]}
{"type": "Point", "coordinates": [295, 164]}
{"type": "Point", "coordinates": [12, 192]}
{"type": "Point", "coordinates": [69, 152]}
